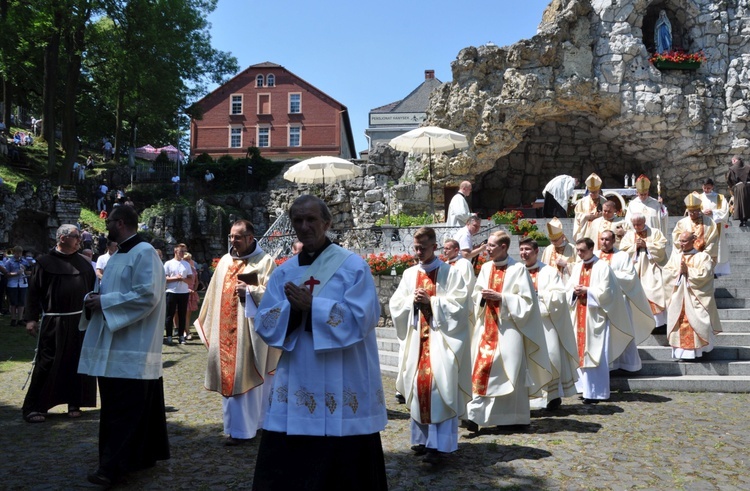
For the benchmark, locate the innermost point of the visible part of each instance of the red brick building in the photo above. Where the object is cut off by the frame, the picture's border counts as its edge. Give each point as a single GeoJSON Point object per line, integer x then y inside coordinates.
{"type": "Point", "coordinates": [268, 107]}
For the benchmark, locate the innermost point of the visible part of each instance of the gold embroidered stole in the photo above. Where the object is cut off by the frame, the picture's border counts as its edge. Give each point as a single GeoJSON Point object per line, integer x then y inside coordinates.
{"type": "Point", "coordinates": [228, 326]}
{"type": "Point", "coordinates": [488, 344]}
{"type": "Point", "coordinates": [534, 273]}
{"type": "Point", "coordinates": [606, 257]}
{"type": "Point", "coordinates": [581, 309]}
{"type": "Point", "coordinates": [426, 281]}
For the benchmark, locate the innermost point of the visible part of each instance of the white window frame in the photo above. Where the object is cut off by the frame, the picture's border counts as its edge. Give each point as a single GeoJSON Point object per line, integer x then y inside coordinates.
{"type": "Point", "coordinates": [299, 135]}
{"type": "Point", "coordinates": [270, 80]}
{"type": "Point", "coordinates": [232, 103]}
{"type": "Point", "coordinates": [259, 80]}
{"type": "Point", "coordinates": [290, 102]}
{"type": "Point", "coordinates": [232, 129]}
{"type": "Point", "coordinates": [263, 127]}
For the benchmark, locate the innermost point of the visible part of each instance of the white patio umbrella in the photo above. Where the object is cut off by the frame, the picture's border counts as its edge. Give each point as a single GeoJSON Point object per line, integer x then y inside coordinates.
{"type": "Point", "coordinates": [429, 139]}
{"type": "Point", "coordinates": [323, 170]}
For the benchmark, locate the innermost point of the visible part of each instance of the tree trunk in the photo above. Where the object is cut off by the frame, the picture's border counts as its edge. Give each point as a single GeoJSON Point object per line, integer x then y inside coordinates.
{"type": "Point", "coordinates": [7, 101]}
{"type": "Point", "coordinates": [51, 62]}
{"type": "Point", "coordinates": [74, 48]}
{"type": "Point", "coordinates": [118, 122]}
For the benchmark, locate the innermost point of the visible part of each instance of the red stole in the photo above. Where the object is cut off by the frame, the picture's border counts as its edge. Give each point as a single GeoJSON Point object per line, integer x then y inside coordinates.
{"type": "Point", "coordinates": [699, 231]}
{"type": "Point", "coordinates": [534, 273]}
{"type": "Point", "coordinates": [426, 281]}
{"type": "Point", "coordinates": [228, 326]}
{"type": "Point", "coordinates": [606, 257]}
{"type": "Point", "coordinates": [581, 309]}
{"type": "Point", "coordinates": [685, 330]}
{"type": "Point", "coordinates": [488, 344]}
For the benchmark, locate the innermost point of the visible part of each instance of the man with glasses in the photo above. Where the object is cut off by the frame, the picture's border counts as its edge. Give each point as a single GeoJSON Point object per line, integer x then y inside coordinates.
{"type": "Point", "coordinates": [179, 276]}
{"type": "Point", "coordinates": [431, 314]}
{"type": "Point", "coordinates": [239, 361]}
{"type": "Point", "coordinates": [122, 347]}
{"type": "Point", "coordinates": [58, 284]}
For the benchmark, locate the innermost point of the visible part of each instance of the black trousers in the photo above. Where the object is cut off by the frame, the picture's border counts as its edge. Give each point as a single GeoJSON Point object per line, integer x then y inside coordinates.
{"type": "Point", "coordinates": [132, 425]}
{"type": "Point", "coordinates": [552, 208]}
{"type": "Point", "coordinates": [176, 302]}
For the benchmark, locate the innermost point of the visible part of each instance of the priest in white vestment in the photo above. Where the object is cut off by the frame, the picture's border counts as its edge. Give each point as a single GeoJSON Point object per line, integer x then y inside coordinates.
{"type": "Point", "coordinates": [558, 330]}
{"type": "Point", "coordinates": [716, 206]}
{"type": "Point", "coordinates": [692, 317]}
{"type": "Point", "coordinates": [702, 226]}
{"type": "Point", "coordinates": [588, 209]}
{"type": "Point", "coordinates": [655, 212]}
{"type": "Point", "coordinates": [327, 407]}
{"type": "Point", "coordinates": [560, 254]}
{"type": "Point", "coordinates": [600, 318]}
{"type": "Point", "coordinates": [639, 310]}
{"type": "Point", "coordinates": [431, 314]}
{"type": "Point", "coordinates": [508, 347]}
{"type": "Point", "coordinates": [240, 364]}
{"type": "Point", "coordinates": [458, 209]}
{"type": "Point", "coordinates": [451, 251]}
{"type": "Point", "coordinates": [647, 248]}
{"type": "Point", "coordinates": [608, 221]}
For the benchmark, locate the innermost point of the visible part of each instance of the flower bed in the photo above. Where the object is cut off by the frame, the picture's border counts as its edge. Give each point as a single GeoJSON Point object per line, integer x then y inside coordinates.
{"type": "Point", "coordinates": [506, 216]}
{"type": "Point", "coordinates": [382, 264]}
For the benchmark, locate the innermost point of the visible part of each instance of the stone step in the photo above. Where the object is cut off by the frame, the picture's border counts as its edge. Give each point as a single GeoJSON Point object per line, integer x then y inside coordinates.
{"type": "Point", "coordinates": [731, 303]}
{"type": "Point", "coordinates": [734, 314]}
{"type": "Point", "coordinates": [727, 339]}
{"type": "Point", "coordinates": [726, 353]}
{"type": "Point", "coordinates": [735, 326]}
{"type": "Point", "coordinates": [683, 383]}
{"type": "Point", "coordinates": [721, 292]}
{"type": "Point", "coordinates": [733, 281]}
{"type": "Point", "coordinates": [673, 368]}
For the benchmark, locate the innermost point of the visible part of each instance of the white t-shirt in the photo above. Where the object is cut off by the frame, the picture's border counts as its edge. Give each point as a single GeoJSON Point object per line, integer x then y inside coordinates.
{"type": "Point", "coordinates": [101, 262]}
{"type": "Point", "coordinates": [176, 179]}
{"type": "Point", "coordinates": [173, 267]}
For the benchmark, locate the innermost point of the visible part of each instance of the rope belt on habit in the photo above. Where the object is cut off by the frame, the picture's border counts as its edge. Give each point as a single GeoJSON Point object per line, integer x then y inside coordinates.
{"type": "Point", "coordinates": [39, 336]}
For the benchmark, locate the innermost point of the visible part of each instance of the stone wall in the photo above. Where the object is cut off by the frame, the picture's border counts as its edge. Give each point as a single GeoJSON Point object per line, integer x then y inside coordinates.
{"type": "Point", "coordinates": [29, 217]}
{"type": "Point", "coordinates": [582, 97]}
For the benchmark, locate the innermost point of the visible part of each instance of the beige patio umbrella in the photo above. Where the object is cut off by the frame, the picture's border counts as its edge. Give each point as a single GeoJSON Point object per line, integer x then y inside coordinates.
{"type": "Point", "coordinates": [324, 169]}
{"type": "Point", "coordinates": [429, 140]}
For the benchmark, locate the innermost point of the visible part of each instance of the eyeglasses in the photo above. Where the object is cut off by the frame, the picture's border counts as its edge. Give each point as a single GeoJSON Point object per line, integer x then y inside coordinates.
{"type": "Point", "coordinates": [111, 220]}
{"type": "Point", "coordinates": [237, 237]}
{"type": "Point", "coordinates": [73, 236]}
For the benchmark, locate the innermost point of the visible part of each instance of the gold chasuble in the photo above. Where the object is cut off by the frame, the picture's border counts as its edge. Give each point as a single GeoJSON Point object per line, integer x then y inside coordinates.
{"type": "Point", "coordinates": [699, 231]}
{"type": "Point", "coordinates": [228, 326]}
{"type": "Point", "coordinates": [581, 311]}
{"type": "Point", "coordinates": [688, 335]}
{"type": "Point", "coordinates": [424, 369]}
{"type": "Point", "coordinates": [487, 346]}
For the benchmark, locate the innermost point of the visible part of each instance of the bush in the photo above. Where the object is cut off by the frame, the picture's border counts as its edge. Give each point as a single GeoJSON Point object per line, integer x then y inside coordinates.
{"type": "Point", "coordinates": [402, 220]}
{"type": "Point", "coordinates": [231, 174]}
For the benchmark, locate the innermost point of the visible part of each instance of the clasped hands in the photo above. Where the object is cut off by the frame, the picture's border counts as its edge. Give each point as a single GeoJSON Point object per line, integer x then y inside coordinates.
{"type": "Point", "coordinates": [299, 297]}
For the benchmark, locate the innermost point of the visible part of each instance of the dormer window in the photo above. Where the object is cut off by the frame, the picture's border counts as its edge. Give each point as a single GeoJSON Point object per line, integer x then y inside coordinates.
{"type": "Point", "coordinates": [271, 80]}
{"type": "Point", "coordinates": [259, 81]}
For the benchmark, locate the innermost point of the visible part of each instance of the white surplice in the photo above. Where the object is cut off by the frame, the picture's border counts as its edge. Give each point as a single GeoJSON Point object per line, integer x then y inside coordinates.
{"type": "Point", "coordinates": [648, 265]}
{"type": "Point", "coordinates": [328, 380]}
{"type": "Point", "coordinates": [719, 207]}
{"type": "Point", "coordinates": [656, 214]}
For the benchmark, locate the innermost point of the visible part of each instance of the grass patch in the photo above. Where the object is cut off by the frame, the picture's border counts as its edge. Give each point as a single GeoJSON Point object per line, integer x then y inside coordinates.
{"type": "Point", "coordinates": [17, 346]}
{"type": "Point", "coordinates": [90, 219]}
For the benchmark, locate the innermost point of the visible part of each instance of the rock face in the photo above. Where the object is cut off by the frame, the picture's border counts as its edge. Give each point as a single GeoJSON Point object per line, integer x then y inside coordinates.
{"type": "Point", "coordinates": [30, 218]}
{"type": "Point", "coordinates": [581, 96]}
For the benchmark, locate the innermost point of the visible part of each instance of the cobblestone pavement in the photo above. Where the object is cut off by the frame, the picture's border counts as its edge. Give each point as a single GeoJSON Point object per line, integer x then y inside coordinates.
{"type": "Point", "coordinates": [654, 441]}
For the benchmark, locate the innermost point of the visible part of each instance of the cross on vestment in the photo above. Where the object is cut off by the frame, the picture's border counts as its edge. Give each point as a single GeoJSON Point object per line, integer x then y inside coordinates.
{"type": "Point", "coordinates": [311, 283]}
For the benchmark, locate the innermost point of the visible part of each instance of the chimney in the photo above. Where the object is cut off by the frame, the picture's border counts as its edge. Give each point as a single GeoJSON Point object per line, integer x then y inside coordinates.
{"type": "Point", "coordinates": [429, 74]}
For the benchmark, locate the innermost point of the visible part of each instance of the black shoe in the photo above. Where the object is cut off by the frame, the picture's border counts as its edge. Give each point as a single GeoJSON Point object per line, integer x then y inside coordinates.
{"type": "Point", "coordinates": [743, 224]}
{"type": "Point", "coordinates": [235, 442]}
{"type": "Point", "coordinates": [400, 398]}
{"type": "Point", "coordinates": [591, 401]}
{"type": "Point", "coordinates": [419, 449]}
{"type": "Point", "coordinates": [662, 329]}
{"type": "Point", "coordinates": [99, 478]}
{"type": "Point", "coordinates": [471, 426]}
{"type": "Point", "coordinates": [554, 404]}
{"type": "Point", "coordinates": [13, 323]}
{"type": "Point", "coordinates": [182, 340]}
{"type": "Point", "coordinates": [433, 457]}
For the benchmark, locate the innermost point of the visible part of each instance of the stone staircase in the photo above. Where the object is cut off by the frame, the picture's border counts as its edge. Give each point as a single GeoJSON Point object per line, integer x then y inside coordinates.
{"type": "Point", "coordinates": [725, 369]}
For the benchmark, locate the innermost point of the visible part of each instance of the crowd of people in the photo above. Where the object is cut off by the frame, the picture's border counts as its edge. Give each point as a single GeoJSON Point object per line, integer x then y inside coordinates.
{"type": "Point", "coordinates": [292, 348]}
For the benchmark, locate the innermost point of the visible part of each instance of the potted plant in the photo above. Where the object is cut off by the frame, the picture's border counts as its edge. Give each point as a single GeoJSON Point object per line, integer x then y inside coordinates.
{"type": "Point", "coordinates": [541, 239]}
{"type": "Point", "coordinates": [677, 60]}
{"type": "Point", "coordinates": [501, 217]}
{"type": "Point", "coordinates": [522, 227]}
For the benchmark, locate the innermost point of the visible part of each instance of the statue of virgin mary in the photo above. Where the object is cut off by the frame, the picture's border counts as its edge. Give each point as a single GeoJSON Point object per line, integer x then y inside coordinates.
{"type": "Point", "coordinates": [663, 33]}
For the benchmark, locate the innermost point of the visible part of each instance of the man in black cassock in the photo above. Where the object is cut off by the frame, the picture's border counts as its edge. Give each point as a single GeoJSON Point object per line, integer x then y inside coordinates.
{"type": "Point", "coordinates": [59, 282]}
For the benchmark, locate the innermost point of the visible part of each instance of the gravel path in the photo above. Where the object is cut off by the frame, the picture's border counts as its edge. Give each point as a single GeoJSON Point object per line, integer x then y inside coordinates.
{"type": "Point", "coordinates": [651, 441]}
